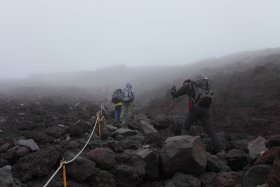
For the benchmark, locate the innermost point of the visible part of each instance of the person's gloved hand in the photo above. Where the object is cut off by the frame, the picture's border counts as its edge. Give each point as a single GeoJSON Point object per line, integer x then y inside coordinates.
{"type": "Point", "coordinates": [173, 90]}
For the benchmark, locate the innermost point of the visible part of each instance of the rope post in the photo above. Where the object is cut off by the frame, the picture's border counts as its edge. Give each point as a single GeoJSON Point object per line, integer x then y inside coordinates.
{"type": "Point", "coordinates": [64, 174]}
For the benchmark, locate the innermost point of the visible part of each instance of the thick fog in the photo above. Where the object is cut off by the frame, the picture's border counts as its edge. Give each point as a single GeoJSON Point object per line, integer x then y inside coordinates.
{"type": "Point", "coordinates": [60, 36]}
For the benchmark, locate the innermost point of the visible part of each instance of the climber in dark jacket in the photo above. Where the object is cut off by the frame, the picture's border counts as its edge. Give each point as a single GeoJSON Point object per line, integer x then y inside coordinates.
{"type": "Point", "coordinates": [200, 99]}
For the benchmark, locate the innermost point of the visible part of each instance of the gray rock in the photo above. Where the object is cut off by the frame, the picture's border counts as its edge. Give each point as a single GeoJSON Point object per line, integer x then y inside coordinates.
{"type": "Point", "coordinates": [133, 160]}
{"type": "Point", "coordinates": [30, 143]}
{"type": "Point", "coordinates": [256, 147]}
{"type": "Point", "coordinates": [54, 132]}
{"type": "Point", "coordinates": [116, 146]}
{"type": "Point", "coordinates": [147, 128]}
{"type": "Point", "coordinates": [138, 138]}
{"type": "Point", "coordinates": [151, 159]}
{"type": "Point", "coordinates": [104, 178]}
{"type": "Point", "coordinates": [183, 180]}
{"type": "Point", "coordinates": [124, 132]}
{"type": "Point", "coordinates": [2, 120]}
{"type": "Point", "coordinates": [257, 175]}
{"type": "Point", "coordinates": [130, 144]}
{"type": "Point", "coordinates": [111, 128]}
{"type": "Point", "coordinates": [126, 176]}
{"type": "Point", "coordinates": [237, 159]}
{"type": "Point", "coordinates": [6, 178]}
{"type": "Point", "coordinates": [185, 154]}
{"type": "Point", "coordinates": [36, 164]}
{"type": "Point", "coordinates": [5, 147]}
{"type": "Point", "coordinates": [81, 169]}
{"type": "Point", "coordinates": [226, 179]}
{"type": "Point", "coordinates": [216, 164]}
{"type": "Point", "coordinates": [39, 137]}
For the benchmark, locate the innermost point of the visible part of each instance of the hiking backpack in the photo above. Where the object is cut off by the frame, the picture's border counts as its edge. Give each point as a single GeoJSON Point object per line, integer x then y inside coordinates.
{"type": "Point", "coordinates": [203, 92]}
{"type": "Point", "coordinates": [117, 96]}
{"type": "Point", "coordinates": [127, 95]}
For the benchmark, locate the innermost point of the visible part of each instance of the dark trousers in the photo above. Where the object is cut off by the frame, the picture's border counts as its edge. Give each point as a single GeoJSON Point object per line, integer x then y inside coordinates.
{"type": "Point", "coordinates": [202, 114]}
{"type": "Point", "coordinates": [118, 111]}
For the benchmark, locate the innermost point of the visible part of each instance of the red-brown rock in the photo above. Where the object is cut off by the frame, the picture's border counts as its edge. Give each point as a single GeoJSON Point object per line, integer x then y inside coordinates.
{"type": "Point", "coordinates": [274, 175]}
{"type": "Point", "coordinates": [269, 156]}
{"type": "Point", "coordinates": [104, 157]}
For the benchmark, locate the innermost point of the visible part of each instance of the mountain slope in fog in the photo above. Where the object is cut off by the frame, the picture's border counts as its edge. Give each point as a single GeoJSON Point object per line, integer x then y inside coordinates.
{"type": "Point", "coordinates": [247, 96]}
{"type": "Point", "coordinates": [104, 81]}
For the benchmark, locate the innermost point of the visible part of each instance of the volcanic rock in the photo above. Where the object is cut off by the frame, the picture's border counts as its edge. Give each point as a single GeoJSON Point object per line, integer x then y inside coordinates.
{"type": "Point", "coordinates": [183, 154]}
{"type": "Point", "coordinates": [147, 127]}
{"type": "Point", "coordinates": [237, 159]}
{"type": "Point", "coordinates": [30, 143]}
{"type": "Point", "coordinates": [126, 176]}
{"type": "Point", "coordinates": [37, 164]}
{"type": "Point", "coordinates": [226, 179]}
{"type": "Point", "coordinates": [151, 159]}
{"type": "Point", "coordinates": [124, 132]}
{"type": "Point", "coordinates": [104, 179]}
{"type": "Point", "coordinates": [256, 147]}
{"type": "Point", "coordinates": [269, 156]}
{"type": "Point", "coordinates": [183, 180]}
{"type": "Point", "coordinates": [215, 164]}
{"type": "Point", "coordinates": [274, 177]}
{"type": "Point", "coordinates": [81, 169]}
{"type": "Point", "coordinates": [104, 157]}
{"type": "Point", "coordinates": [6, 178]}
{"type": "Point", "coordinates": [257, 175]}
{"type": "Point", "coordinates": [133, 160]}
{"type": "Point", "coordinates": [116, 146]}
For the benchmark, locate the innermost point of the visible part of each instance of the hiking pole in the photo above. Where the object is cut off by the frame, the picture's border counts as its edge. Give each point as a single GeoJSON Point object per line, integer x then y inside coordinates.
{"type": "Point", "coordinates": [172, 101]}
{"type": "Point", "coordinates": [172, 104]}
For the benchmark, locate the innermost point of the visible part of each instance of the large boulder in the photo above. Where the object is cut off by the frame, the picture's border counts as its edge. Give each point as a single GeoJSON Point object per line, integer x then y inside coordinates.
{"type": "Point", "coordinates": [236, 159]}
{"type": "Point", "coordinates": [183, 180]}
{"type": "Point", "coordinates": [116, 146]}
{"type": "Point", "coordinates": [274, 177]}
{"type": "Point", "coordinates": [5, 147]}
{"type": "Point", "coordinates": [105, 179]}
{"type": "Point", "coordinates": [151, 159]}
{"type": "Point", "coordinates": [37, 164]}
{"type": "Point", "coordinates": [133, 160]}
{"type": "Point", "coordinates": [269, 156]}
{"type": "Point", "coordinates": [104, 157]}
{"type": "Point", "coordinates": [16, 153]}
{"type": "Point", "coordinates": [256, 148]}
{"type": "Point", "coordinates": [183, 154]}
{"type": "Point", "coordinates": [257, 175]}
{"type": "Point", "coordinates": [126, 176]}
{"type": "Point", "coordinates": [273, 141]}
{"type": "Point", "coordinates": [6, 178]}
{"type": "Point", "coordinates": [81, 169]}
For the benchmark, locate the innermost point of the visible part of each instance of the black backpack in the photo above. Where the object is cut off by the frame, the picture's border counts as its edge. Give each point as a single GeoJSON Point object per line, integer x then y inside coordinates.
{"type": "Point", "coordinates": [203, 93]}
{"type": "Point", "coordinates": [117, 96]}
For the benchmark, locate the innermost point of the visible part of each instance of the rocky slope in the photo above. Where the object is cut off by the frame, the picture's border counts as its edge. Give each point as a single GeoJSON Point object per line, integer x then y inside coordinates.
{"type": "Point", "coordinates": [38, 130]}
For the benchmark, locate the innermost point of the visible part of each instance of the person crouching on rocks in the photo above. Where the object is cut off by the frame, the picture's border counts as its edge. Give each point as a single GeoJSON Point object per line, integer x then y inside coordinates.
{"type": "Point", "coordinates": [199, 101]}
{"type": "Point", "coordinates": [128, 97]}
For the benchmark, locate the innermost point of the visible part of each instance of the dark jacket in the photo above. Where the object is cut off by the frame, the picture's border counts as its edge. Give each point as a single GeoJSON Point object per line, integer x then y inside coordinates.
{"type": "Point", "coordinates": [186, 89]}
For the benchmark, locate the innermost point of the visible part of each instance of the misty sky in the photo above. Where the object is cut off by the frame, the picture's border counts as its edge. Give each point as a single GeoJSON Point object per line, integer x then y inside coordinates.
{"type": "Point", "coordinates": [69, 35]}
